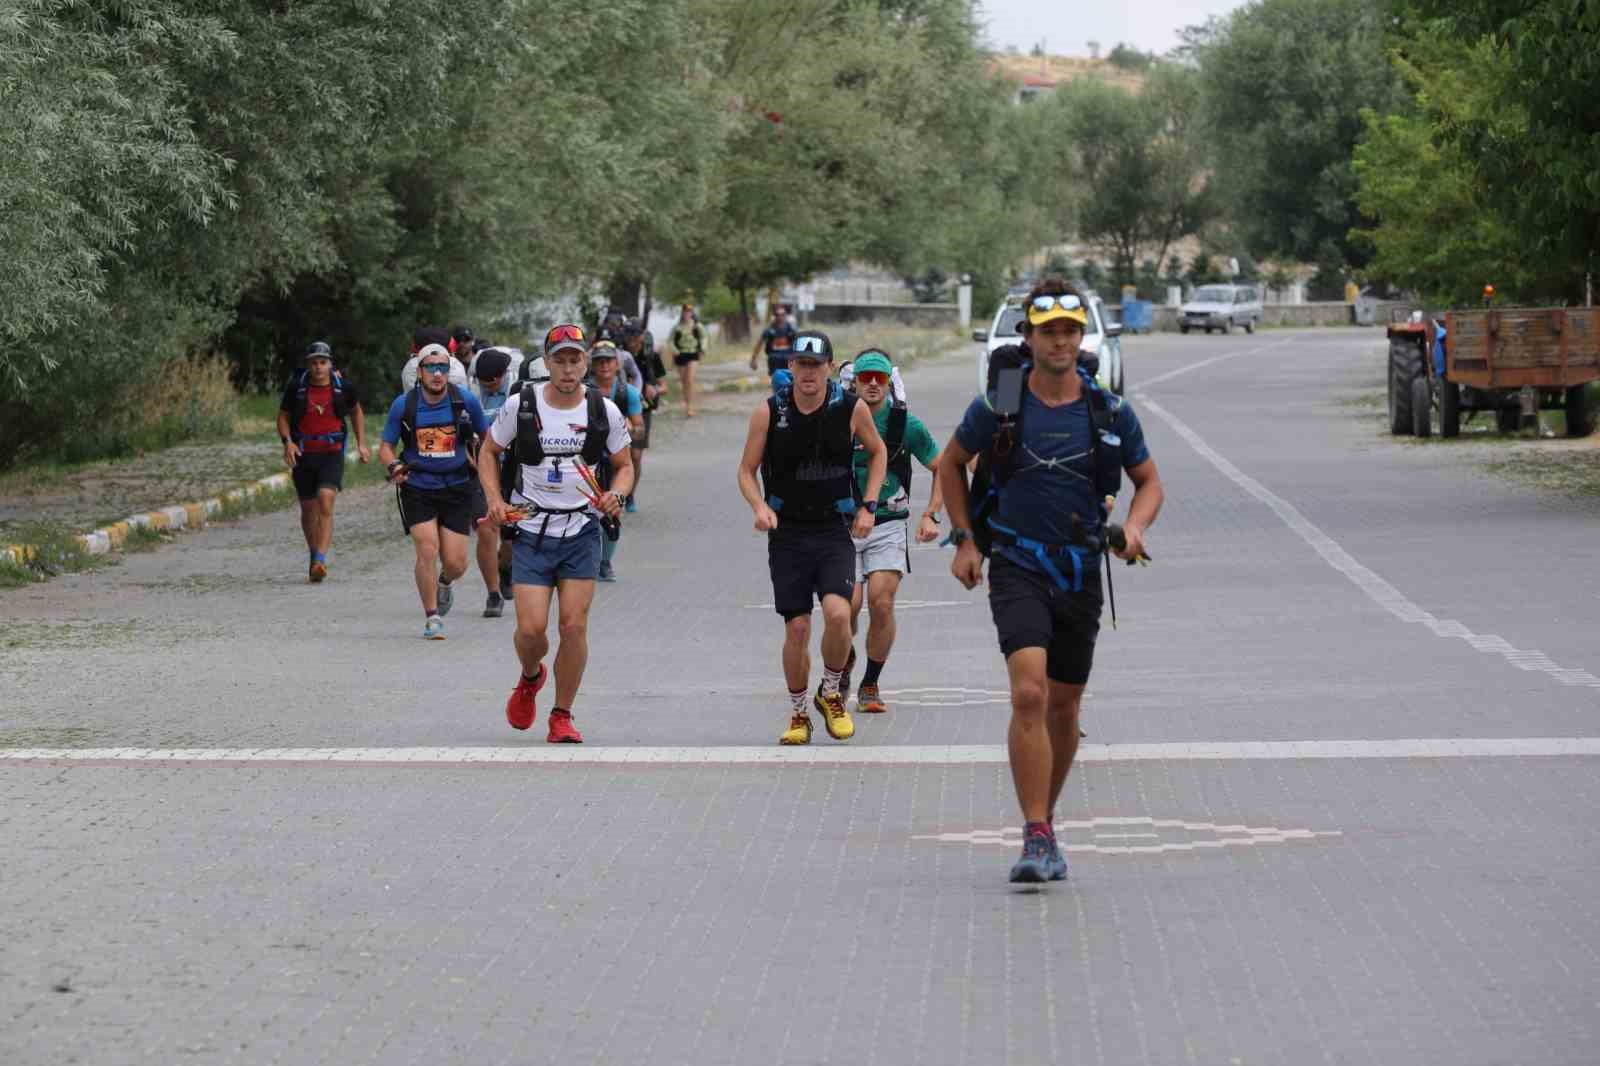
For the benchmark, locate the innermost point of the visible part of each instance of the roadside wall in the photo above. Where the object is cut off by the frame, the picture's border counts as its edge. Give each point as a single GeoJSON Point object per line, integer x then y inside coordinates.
{"type": "Point", "coordinates": [1165, 318]}
{"type": "Point", "coordinates": [926, 316]}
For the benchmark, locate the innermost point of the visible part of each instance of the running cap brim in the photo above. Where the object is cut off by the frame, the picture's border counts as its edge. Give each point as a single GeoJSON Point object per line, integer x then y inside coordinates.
{"type": "Point", "coordinates": [1039, 318]}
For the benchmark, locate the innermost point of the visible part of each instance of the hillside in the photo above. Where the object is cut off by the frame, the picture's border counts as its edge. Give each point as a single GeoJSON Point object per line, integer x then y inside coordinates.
{"type": "Point", "coordinates": [1062, 69]}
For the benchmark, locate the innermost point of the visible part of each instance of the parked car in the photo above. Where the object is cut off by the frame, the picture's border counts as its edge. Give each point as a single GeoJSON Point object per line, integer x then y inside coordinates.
{"type": "Point", "coordinates": [1221, 307]}
{"type": "Point", "coordinates": [1102, 339]}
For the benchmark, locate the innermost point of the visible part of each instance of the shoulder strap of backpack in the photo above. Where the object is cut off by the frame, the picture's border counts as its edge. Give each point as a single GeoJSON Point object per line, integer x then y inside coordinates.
{"type": "Point", "coordinates": [408, 417]}
{"type": "Point", "coordinates": [598, 430]}
{"type": "Point", "coordinates": [1001, 462]}
{"type": "Point", "coordinates": [341, 397]}
{"type": "Point", "coordinates": [297, 403]}
{"type": "Point", "coordinates": [529, 443]}
{"type": "Point", "coordinates": [895, 439]}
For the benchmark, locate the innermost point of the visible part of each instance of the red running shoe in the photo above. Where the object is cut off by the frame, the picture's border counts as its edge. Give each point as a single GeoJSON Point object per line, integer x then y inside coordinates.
{"type": "Point", "coordinates": [521, 708]}
{"type": "Point", "coordinates": [562, 731]}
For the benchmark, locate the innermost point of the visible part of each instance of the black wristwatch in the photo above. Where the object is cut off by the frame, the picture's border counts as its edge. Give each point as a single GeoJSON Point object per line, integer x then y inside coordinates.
{"type": "Point", "coordinates": [283, 438]}
{"type": "Point", "coordinates": [871, 506]}
{"type": "Point", "coordinates": [958, 537]}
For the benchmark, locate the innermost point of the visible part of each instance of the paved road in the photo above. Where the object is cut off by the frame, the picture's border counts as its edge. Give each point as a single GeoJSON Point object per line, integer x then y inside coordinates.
{"type": "Point", "coordinates": [1337, 806]}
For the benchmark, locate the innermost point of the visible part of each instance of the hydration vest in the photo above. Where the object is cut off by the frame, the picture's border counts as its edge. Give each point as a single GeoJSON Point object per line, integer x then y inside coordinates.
{"type": "Point", "coordinates": [998, 463]}
{"type": "Point", "coordinates": [808, 464]}
{"type": "Point", "coordinates": [297, 406]}
{"type": "Point", "coordinates": [466, 434]}
{"type": "Point", "coordinates": [527, 449]}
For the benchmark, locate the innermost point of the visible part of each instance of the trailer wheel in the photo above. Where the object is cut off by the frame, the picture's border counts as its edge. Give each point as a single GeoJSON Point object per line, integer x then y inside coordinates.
{"type": "Point", "coordinates": [1405, 366]}
{"type": "Point", "coordinates": [1580, 420]}
{"type": "Point", "coordinates": [1449, 409]}
{"type": "Point", "coordinates": [1183, 329]}
{"type": "Point", "coordinates": [1421, 408]}
{"type": "Point", "coordinates": [1507, 419]}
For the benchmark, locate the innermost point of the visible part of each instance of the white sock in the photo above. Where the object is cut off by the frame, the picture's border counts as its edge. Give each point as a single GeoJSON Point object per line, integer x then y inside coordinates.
{"type": "Point", "coordinates": [830, 681]}
{"type": "Point", "coordinates": [797, 700]}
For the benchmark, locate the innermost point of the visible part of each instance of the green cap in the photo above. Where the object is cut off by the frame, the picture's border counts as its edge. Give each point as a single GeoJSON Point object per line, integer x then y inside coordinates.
{"type": "Point", "coordinates": [873, 361]}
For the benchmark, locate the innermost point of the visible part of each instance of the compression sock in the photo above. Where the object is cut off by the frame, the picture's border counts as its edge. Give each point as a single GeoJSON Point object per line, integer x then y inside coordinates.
{"type": "Point", "coordinates": [830, 681]}
{"type": "Point", "coordinates": [797, 701]}
{"type": "Point", "coordinates": [430, 614]}
{"type": "Point", "coordinates": [874, 668]}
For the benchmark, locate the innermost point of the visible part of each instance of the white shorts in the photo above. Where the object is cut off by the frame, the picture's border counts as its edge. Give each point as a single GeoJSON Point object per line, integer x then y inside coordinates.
{"type": "Point", "coordinates": [884, 549]}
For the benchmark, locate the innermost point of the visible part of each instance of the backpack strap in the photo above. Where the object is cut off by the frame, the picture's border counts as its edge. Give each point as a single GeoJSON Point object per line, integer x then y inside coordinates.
{"type": "Point", "coordinates": [408, 417]}
{"type": "Point", "coordinates": [599, 428]}
{"type": "Point", "coordinates": [528, 446]}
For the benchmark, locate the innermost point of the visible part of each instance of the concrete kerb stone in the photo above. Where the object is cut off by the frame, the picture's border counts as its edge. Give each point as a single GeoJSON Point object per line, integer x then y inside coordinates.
{"type": "Point", "coordinates": [178, 516]}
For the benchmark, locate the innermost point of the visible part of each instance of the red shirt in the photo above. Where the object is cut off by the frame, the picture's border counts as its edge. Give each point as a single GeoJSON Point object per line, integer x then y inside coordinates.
{"type": "Point", "coordinates": [319, 419]}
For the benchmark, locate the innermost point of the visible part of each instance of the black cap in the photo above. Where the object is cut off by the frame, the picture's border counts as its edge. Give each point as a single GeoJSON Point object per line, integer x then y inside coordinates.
{"type": "Point", "coordinates": [461, 334]}
{"type": "Point", "coordinates": [319, 350]}
{"type": "Point", "coordinates": [491, 364]}
{"type": "Point", "coordinates": [812, 343]}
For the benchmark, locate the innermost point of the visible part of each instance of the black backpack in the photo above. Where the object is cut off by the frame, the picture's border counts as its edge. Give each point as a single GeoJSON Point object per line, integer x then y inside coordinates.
{"type": "Point", "coordinates": [998, 462]}
{"type": "Point", "coordinates": [527, 448]}
{"type": "Point", "coordinates": [466, 434]}
{"type": "Point", "coordinates": [301, 385]}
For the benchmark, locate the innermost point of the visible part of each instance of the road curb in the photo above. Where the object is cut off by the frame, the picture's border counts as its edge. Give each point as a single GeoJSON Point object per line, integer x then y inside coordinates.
{"type": "Point", "coordinates": [178, 516]}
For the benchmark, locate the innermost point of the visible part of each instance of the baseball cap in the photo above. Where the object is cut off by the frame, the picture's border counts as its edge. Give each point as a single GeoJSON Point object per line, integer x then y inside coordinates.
{"type": "Point", "coordinates": [873, 359]}
{"type": "Point", "coordinates": [812, 344]}
{"type": "Point", "coordinates": [563, 337]}
{"type": "Point", "coordinates": [1042, 309]}
{"type": "Point", "coordinates": [432, 349]}
{"type": "Point", "coordinates": [491, 364]}
{"type": "Point", "coordinates": [603, 350]}
{"type": "Point", "coordinates": [319, 350]}
{"type": "Point", "coordinates": [461, 334]}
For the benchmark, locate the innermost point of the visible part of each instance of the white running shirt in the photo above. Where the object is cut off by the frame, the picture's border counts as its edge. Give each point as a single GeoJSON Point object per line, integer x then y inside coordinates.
{"type": "Point", "coordinates": [554, 483]}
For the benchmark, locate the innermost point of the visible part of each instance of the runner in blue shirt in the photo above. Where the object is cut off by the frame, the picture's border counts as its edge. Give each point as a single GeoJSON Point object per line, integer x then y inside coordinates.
{"type": "Point", "coordinates": [1053, 460]}
{"type": "Point", "coordinates": [606, 369]}
{"type": "Point", "coordinates": [436, 427]}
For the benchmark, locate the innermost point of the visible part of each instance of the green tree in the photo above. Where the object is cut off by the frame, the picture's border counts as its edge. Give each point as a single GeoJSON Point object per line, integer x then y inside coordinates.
{"type": "Point", "coordinates": [1282, 86]}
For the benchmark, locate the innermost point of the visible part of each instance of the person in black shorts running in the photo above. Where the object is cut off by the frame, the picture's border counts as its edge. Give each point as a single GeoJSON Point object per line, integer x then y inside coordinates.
{"type": "Point", "coordinates": [311, 423]}
{"type": "Point", "coordinates": [688, 343]}
{"type": "Point", "coordinates": [806, 501]}
{"type": "Point", "coordinates": [1053, 447]}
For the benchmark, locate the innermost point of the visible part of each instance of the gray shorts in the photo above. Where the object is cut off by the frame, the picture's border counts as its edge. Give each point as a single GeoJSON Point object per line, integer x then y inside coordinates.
{"type": "Point", "coordinates": [884, 549]}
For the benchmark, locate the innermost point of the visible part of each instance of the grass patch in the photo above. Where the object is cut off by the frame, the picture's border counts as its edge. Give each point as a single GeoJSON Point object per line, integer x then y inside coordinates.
{"type": "Point", "coordinates": [1569, 472]}
{"type": "Point", "coordinates": [53, 550]}
{"type": "Point", "coordinates": [144, 539]}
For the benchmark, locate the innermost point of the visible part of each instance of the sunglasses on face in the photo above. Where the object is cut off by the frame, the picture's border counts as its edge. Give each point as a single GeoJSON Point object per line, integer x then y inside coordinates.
{"type": "Point", "coordinates": [873, 377]}
{"type": "Point", "coordinates": [813, 346]}
{"type": "Point", "coordinates": [1046, 303]}
{"type": "Point", "coordinates": [435, 368]}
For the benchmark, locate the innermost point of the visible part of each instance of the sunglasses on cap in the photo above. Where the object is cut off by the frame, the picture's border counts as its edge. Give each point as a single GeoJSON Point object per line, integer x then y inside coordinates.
{"type": "Point", "coordinates": [872, 377]}
{"type": "Point", "coordinates": [562, 335]}
{"type": "Point", "coordinates": [1068, 302]}
{"type": "Point", "coordinates": [812, 346]}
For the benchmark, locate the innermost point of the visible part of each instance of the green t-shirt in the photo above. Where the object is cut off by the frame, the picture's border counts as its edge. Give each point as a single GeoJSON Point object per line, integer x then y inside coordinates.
{"type": "Point", "coordinates": [688, 341]}
{"type": "Point", "coordinates": [893, 500]}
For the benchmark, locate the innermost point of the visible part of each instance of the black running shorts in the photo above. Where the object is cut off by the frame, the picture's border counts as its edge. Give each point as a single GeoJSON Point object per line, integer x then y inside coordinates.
{"type": "Point", "coordinates": [810, 560]}
{"type": "Point", "coordinates": [453, 507]}
{"type": "Point", "coordinates": [1030, 611]}
{"type": "Point", "coordinates": [685, 358]}
{"type": "Point", "coordinates": [319, 470]}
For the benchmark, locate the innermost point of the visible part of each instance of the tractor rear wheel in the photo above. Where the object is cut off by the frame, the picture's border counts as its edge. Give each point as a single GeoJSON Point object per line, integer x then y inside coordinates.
{"type": "Point", "coordinates": [1405, 365]}
{"type": "Point", "coordinates": [1580, 420]}
{"type": "Point", "coordinates": [1421, 408]}
{"type": "Point", "coordinates": [1449, 409]}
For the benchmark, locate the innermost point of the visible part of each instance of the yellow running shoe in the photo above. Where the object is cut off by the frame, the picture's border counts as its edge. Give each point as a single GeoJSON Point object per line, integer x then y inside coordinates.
{"type": "Point", "coordinates": [799, 731]}
{"type": "Point", "coordinates": [835, 718]}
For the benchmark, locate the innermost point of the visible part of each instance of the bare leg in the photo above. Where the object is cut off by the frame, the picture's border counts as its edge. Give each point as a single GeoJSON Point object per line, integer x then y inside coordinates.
{"type": "Point", "coordinates": [489, 555]}
{"type": "Point", "coordinates": [797, 652]}
{"type": "Point", "coordinates": [452, 553]}
{"type": "Point", "coordinates": [638, 467]}
{"type": "Point", "coordinates": [1065, 703]}
{"type": "Point", "coordinates": [1028, 739]}
{"type": "Point", "coordinates": [835, 631]}
{"type": "Point", "coordinates": [573, 654]}
{"type": "Point", "coordinates": [882, 585]}
{"type": "Point", "coordinates": [533, 618]}
{"type": "Point", "coordinates": [688, 387]}
{"type": "Point", "coordinates": [857, 596]}
{"type": "Point", "coordinates": [425, 536]}
{"type": "Point", "coordinates": [309, 521]}
{"type": "Point", "coordinates": [325, 498]}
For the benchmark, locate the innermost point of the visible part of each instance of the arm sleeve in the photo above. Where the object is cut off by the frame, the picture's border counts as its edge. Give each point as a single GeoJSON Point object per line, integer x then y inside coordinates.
{"type": "Point", "coordinates": [504, 429]}
{"type": "Point", "coordinates": [391, 425]}
{"type": "Point", "coordinates": [977, 427]}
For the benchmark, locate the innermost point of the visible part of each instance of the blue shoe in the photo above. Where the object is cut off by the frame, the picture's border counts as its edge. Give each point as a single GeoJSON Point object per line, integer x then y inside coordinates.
{"type": "Point", "coordinates": [1057, 866]}
{"type": "Point", "coordinates": [606, 573]}
{"type": "Point", "coordinates": [433, 628]}
{"type": "Point", "coordinates": [1034, 866]}
{"type": "Point", "coordinates": [630, 507]}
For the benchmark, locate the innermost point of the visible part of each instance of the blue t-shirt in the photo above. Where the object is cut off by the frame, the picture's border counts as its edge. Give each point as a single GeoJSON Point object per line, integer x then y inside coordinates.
{"type": "Point", "coordinates": [1053, 472]}
{"type": "Point", "coordinates": [627, 398]}
{"type": "Point", "coordinates": [436, 458]}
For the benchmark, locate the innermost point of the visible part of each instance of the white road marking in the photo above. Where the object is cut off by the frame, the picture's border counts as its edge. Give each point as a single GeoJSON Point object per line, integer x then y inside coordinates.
{"type": "Point", "coordinates": [1223, 358]}
{"type": "Point", "coordinates": [1221, 836]}
{"type": "Point", "coordinates": [899, 605]}
{"type": "Point", "coordinates": [828, 754]}
{"type": "Point", "coordinates": [1377, 589]}
{"type": "Point", "coordinates": [945, 697]}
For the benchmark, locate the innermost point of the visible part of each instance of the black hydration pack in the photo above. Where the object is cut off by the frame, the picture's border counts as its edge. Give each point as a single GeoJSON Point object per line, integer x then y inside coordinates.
{"type": "Point", "coordinates": [808, 500]}
{"type": "Point", "coordinates": [1008, 387]}
{"type": "Point", "coordinates": [527, 448]}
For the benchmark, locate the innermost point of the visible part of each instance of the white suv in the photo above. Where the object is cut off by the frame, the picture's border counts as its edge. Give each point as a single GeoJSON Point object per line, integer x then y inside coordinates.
{"type": "Point", "coordinates": [1102, 338]}
{"type": "Point", "coordinates": [1221, 307]}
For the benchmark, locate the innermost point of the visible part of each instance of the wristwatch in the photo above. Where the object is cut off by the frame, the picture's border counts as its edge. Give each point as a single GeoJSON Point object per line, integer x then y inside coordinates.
{"type": "Point", "coordinates": [871, 506]}
{"type": "Point", "coordinates": [283, 438]}
{"type": "Point", "coordinates": [933, 515]}
{"type": "Point", "coordinates": [958, 537]}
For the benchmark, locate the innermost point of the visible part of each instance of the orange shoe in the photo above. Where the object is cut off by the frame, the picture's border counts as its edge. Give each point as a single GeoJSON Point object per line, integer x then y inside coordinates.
{"type": "Point", "coordinates": [868, 701]}
{"type": "Point", "coordinates": [562, 731]}
{"type": "Point", "coordinates": [521, 708]}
